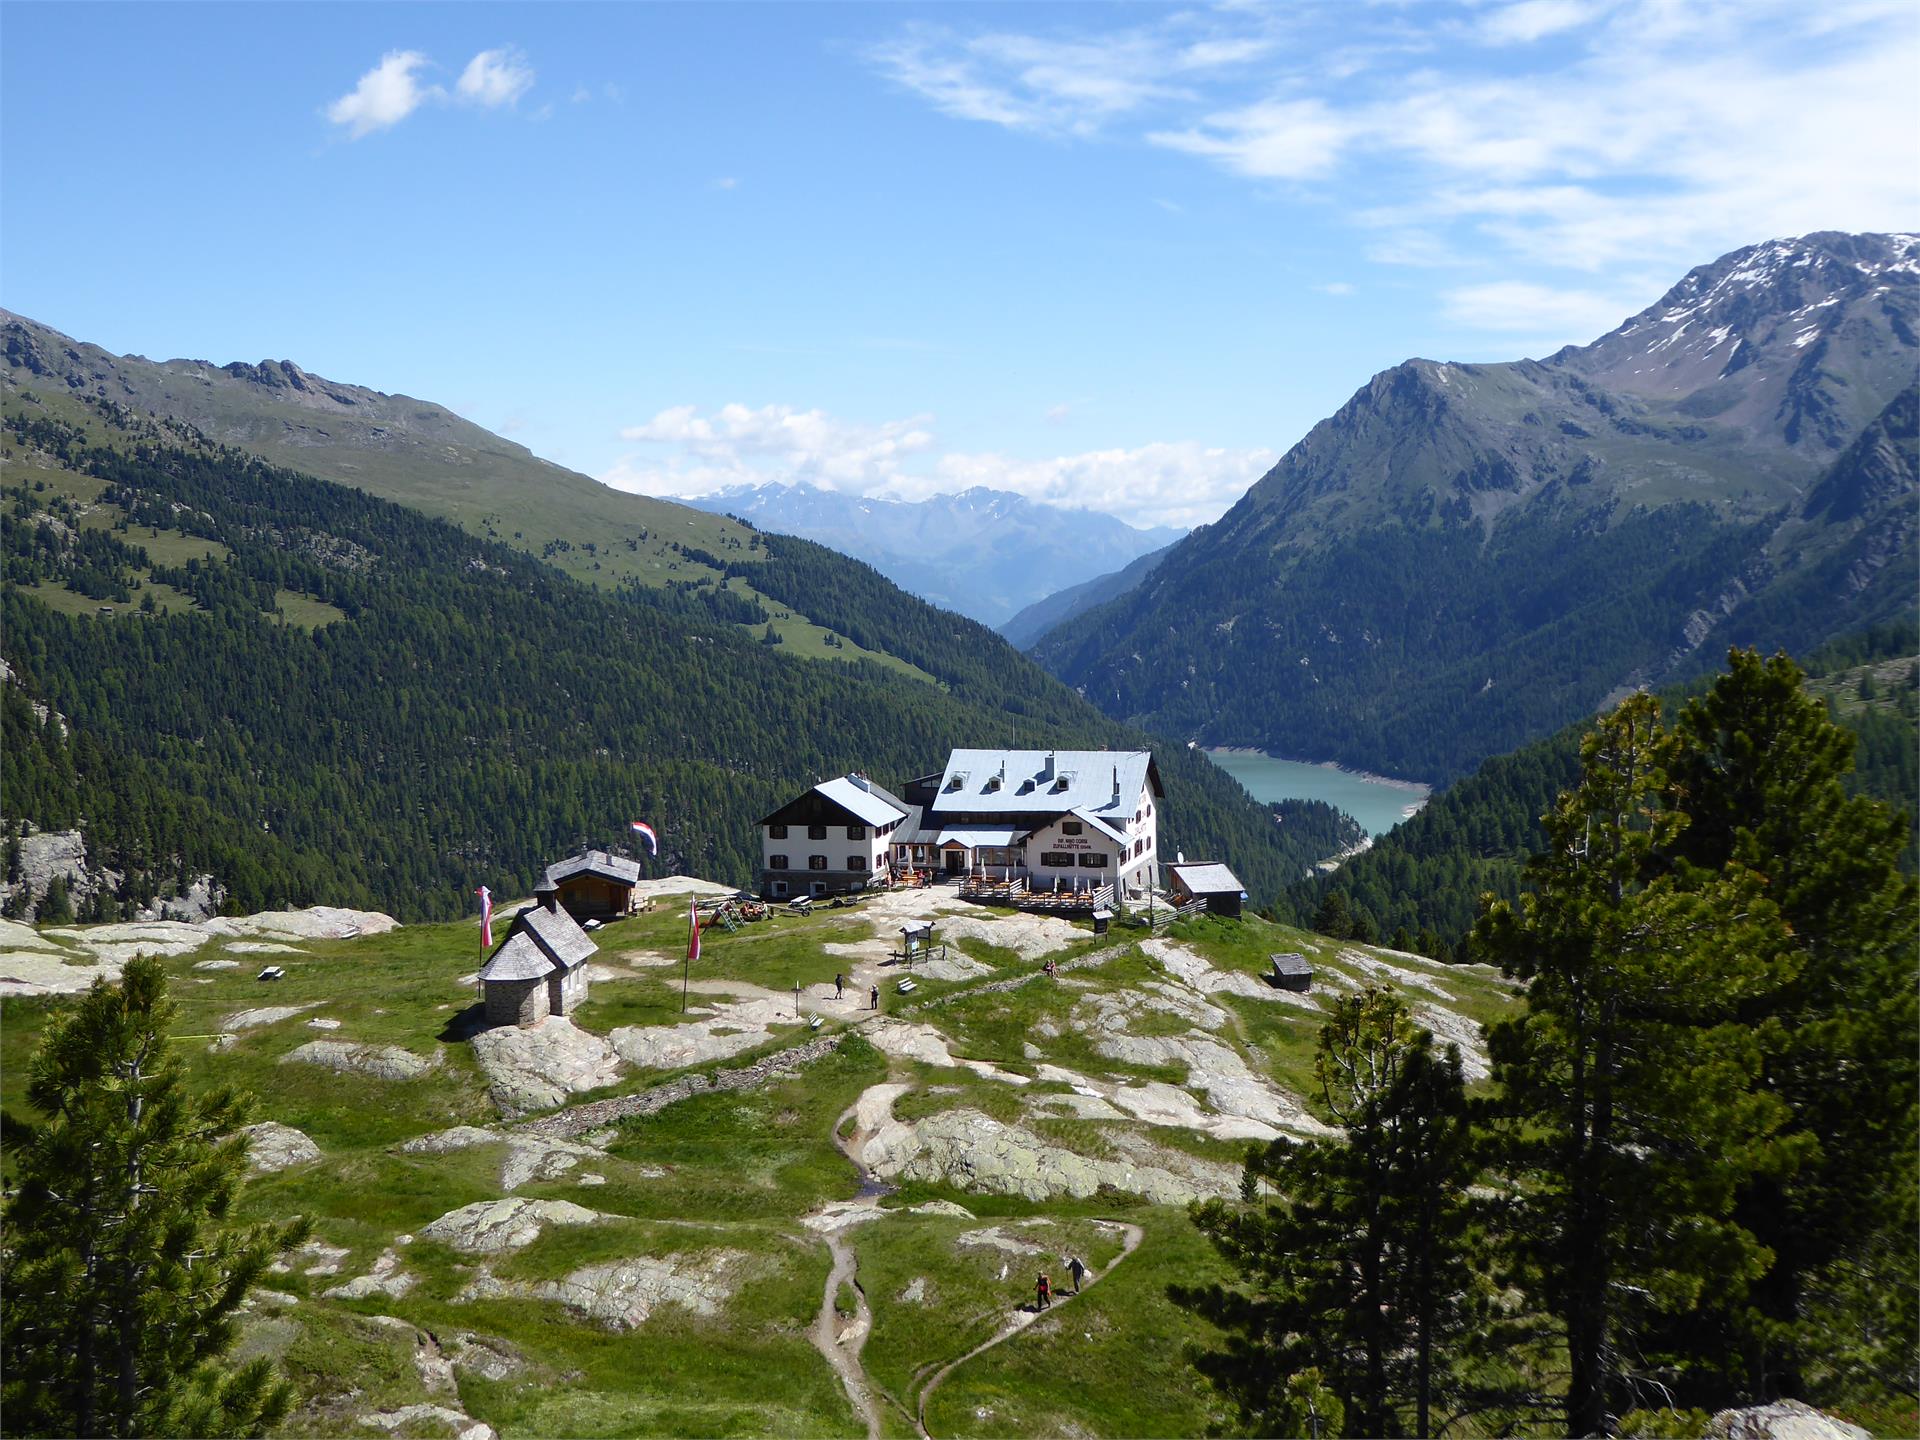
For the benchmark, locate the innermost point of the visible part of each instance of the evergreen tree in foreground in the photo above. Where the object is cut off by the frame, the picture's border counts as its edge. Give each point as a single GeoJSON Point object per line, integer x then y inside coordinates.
{"type": "Point", "coordinates": [1357, 1281]}
{"type": "Point", "coordinates": [121, 1273]}
{"type": "Point", "coordinates": [1630, 1087]}
{"type": "Point", "coordinates": [1759, 767]}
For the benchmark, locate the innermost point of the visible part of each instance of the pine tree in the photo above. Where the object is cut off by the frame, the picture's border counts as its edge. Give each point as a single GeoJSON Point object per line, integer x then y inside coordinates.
{"type": "Point", "coordinates": [1355, 1274]}
{"type": "Point", "coordinates": [1760, 768]}
{"type": "Point", "coordinates": [121, 1270]}
{"type": "Point", "coordinates": [1334, 918]}
{"type": "Point", "coordinates": [1629, 1085]}
{"type": "Point", "coordinates": [56, 908]}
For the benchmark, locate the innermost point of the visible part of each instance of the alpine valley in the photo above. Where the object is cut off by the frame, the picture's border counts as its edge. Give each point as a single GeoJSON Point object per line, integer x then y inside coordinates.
{"type": "Point", "coordinates": [293, 641]}
{"type": "Point", "coordinates": [984, 553]}
{"type": "Point", "coordinates": [1466, 557]}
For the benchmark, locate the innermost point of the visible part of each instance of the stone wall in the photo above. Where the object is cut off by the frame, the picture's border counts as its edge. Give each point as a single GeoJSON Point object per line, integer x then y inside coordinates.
{"type": "Point", "coordinates": [516, 1002]}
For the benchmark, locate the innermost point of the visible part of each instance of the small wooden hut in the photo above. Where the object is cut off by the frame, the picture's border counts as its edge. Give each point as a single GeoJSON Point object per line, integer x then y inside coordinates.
{"type": "Point", "coordinates": [1290, 972]}
{"type": "Point", "coordinates": [593, 885]}
{"type": "Point", "coordinates": [1208, 882]}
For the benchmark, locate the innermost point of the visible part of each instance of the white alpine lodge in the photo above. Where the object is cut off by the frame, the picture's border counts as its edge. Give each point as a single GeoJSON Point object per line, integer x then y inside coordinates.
{"type": "Point", "coordinates": [1068, 829]}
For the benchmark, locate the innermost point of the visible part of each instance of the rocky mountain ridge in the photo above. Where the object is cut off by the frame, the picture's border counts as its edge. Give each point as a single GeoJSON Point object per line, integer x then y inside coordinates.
{"type": "Point", "coordinates": [1465, 556]}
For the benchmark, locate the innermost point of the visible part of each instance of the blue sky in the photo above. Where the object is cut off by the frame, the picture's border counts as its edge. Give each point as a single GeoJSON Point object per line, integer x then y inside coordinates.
{"type": "Point", "coordinates": [1117, 256]}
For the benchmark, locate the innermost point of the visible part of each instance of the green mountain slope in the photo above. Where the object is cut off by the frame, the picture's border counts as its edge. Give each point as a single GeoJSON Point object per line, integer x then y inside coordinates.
{"type": "Point", "coordinates": [1467, 556]}
{"type": "Point", "coordinates": [321, 696]}
{"type": "Point", "coordinates": [393, 446]}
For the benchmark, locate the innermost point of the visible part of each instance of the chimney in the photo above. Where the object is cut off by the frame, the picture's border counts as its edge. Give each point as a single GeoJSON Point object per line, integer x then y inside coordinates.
{"type": "Point", "coordinates": [1046, 770]}
{"type": "Point", "coordinates": [1116, 784]}
{"type": "Point", "coordinates": [865, 784]}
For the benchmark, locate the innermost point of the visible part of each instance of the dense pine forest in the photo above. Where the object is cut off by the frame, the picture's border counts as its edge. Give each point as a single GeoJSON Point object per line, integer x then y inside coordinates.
{"type": "Point", "coordinates": [1420, 884]}
{"type": "Point", "coordinates": [321, 697]}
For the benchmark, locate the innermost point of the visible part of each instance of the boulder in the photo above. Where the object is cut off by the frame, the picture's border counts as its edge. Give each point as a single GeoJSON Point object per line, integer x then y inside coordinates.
{"type": "Point", "coordinates": [1782, 1420]}
{"type": "Point", "coordinates": [386, 1278]}
{"type": "Point", "coordinates": [490, 1226]}
{"type": "Point", "coordinates": [272, 1146]}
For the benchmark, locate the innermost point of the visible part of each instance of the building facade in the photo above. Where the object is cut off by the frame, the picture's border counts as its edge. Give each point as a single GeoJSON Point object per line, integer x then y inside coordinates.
{"type": "Point", "coordinates": [834, 839]}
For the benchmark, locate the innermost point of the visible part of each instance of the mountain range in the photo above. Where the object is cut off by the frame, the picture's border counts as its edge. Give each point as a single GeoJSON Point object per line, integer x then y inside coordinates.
{"type": "Point", "coordinates": [1468, 556]}
{"type": "Point", "coordinates": [982, 552]}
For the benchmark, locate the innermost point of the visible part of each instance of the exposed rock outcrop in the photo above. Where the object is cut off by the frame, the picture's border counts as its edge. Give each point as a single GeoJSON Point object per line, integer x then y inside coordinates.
{"type": "Point", "coordinates": [539, 1067]}
{"type": "Point", "coordinates": [488, 1227]}
{"type": "Point", "coordinates": [383, 1062]}
{"type": "Point", "coordinates": [622, 1294]}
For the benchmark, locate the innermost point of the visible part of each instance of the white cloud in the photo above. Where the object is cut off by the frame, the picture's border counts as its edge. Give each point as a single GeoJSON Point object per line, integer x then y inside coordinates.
{"type": "Point", "coordinates": [1057, 414]}
{"type": "Point", "coordinates": [385, 96]}
{"type": "Point", "coordinates": [495, 77]}
{"type": "Point", "coordinates": [1333, 287]}
{"type": "Point", "coordinates": [1647, 136]}
{"type": "Point", "coordinates": [1523, 308]}
{"type": "Point", "coordinates": [391, 91]}
{"type": "Point", "coordinates": [726, 182]}
{"type": "Point", "coordinates": [1057, 84]}
{"type": "Point", "coordinates": [688, 452]}
{"type": "Point", "coordinates": [1526, 21]}
{"type": "Point", "coordinates": [1273, 140]}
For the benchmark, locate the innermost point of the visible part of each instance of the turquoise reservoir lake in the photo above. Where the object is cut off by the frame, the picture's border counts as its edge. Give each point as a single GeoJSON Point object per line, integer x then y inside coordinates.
{"type": "Point", "coordinates": [1378, 804]}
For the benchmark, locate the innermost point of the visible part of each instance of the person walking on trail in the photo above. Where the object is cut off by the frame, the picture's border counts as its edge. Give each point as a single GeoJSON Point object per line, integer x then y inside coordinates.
{"type": "Point", "coordinates": [874, 997]}
{"type": "Point", "coordinates": [839, 986]}
{"type": "Point", "coordinates": [1077, 1271]}
{"type": "Point", "coordinates": [1043, 1294]}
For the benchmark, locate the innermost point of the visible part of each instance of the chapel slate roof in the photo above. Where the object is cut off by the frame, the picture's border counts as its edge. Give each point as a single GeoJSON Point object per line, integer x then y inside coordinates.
{"type": "Point", "coordinates": [540, 942]}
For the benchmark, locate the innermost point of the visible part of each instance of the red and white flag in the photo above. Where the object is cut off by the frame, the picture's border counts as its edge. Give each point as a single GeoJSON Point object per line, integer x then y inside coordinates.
{"type": "Point", "coordinates": [645, 832]}
{"type": "Point", "coordinates": [486, 916]}
{"type": "Point", "coordinates": [693, 929]}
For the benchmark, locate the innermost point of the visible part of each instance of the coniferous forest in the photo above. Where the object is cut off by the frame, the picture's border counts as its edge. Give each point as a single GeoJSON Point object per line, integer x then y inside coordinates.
{"type": "Point", "coordinates": [472, 713]}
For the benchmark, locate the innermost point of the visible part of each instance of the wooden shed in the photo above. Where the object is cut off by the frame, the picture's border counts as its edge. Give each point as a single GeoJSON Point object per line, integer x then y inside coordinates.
{"type": "Point", "coordinates": [1208, 881]}
{"type": "Point", "coordinates": [540, 969]}
{"type": "Point", "coordinates": [593, 885]}
{"type": "Point", "coordinates": [1290, 972]}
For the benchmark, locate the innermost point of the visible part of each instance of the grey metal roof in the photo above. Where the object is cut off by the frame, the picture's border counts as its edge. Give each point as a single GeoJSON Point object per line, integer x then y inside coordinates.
{"type": "Point", "coordinates": [1026, 782]}
{"type": "Point", "coordinates": [912, 830]}
{"type": "Point", "coordinates": [595, 862]}
{"type": "Point", "coordinates": [864, 802]}
{"type": "Point", "coordinates": [1208, 878]}
{"type": "Point", "coordinates": [518, 959]}
{"type": "Point", "coordinates": [1290, 963]}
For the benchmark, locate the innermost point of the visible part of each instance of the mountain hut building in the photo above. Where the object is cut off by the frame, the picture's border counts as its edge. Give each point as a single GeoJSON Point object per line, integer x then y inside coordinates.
{"type": "Point", "coordinates": [1043, 821]}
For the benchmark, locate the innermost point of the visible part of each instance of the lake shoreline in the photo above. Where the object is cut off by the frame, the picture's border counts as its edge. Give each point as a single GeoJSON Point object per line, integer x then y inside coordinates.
{"type": "Point", "coordinates": [1422, 787]}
